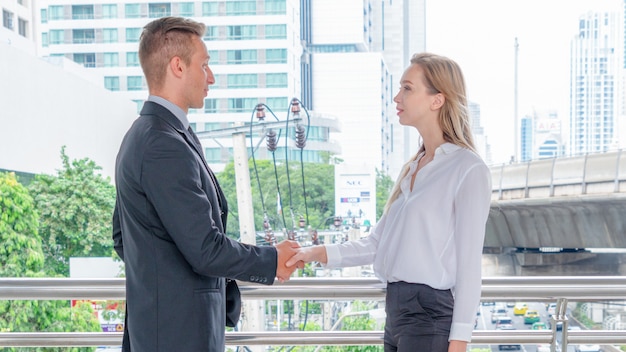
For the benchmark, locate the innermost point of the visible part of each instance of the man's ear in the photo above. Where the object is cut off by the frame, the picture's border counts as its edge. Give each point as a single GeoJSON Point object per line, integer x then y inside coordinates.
{"type": "Point", "coordinates": [176, 66]}
{"type": "Point", "coordinates": [438, 101]}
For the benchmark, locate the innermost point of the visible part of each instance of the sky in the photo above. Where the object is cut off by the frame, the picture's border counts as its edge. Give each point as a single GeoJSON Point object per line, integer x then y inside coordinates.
{"type": "Point", "coordinates": [480, 36]}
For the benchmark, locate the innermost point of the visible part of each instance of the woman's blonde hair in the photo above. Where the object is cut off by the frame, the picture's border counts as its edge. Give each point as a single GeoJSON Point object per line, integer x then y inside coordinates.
{"type": "Point", "coordinates": [442, 75]}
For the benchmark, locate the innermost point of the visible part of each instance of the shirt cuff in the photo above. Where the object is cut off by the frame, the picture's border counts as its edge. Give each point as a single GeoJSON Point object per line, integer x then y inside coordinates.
{"type": "Point", "coordinates": [461, 332]}
{"type": "Point", "coordinates": [333, 256]}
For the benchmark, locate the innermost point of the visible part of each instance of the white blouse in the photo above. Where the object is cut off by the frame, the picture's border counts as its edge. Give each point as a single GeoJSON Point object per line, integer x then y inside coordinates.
{"type": "Point", "coordinates": [434, 234]}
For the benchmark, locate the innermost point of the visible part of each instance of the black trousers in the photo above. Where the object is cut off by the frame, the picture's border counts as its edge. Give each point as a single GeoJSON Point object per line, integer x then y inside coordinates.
{"type": "Point", "coordinates": [418, 318]}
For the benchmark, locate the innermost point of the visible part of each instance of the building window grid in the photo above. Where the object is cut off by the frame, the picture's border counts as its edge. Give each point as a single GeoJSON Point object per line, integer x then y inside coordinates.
{"type": "Point", "coordinates": [83, 36]}
{"type": "Point", "coordinates": [112, 83]}
{"type": "Point", "coordinates": [132, 10]}
{"type": "Point", "coordinates": [109, 35]}
{"type": "Point", "coordinates": [186, 9]}
{"type": "Point", "coordinates": [210, 9]}
{"type": "Point", "coordinates": [111, 59]}
{"type": "Point", "coordinates": [22, 27]}
{"type": "Point", "coordinates": [82, 12]}
{"type": "Point", "coordinates": [134, 83]}
{"type": "Point", "coordinates": [241, 8]}
{"type": "Point", "coordinates": [56, 12]}
{"type": "Point", "coordinates": [109, 11]}
{"type": "Point", "coordinates": [132, 59]}
{"type": "Point", "coordinates": [7, 19]}
{"type": "Point", "coordinates": [158, 10]}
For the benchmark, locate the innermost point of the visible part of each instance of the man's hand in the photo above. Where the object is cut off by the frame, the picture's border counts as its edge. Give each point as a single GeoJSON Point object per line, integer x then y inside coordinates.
{"type": "Point", "coordinates": [285, 250]}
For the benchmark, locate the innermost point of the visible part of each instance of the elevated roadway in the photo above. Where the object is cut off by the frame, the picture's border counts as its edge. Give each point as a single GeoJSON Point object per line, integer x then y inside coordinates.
{"type": "Point", "coordinates": [567, 203]}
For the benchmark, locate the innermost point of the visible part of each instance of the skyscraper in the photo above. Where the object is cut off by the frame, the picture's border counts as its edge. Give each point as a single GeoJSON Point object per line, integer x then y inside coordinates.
{"type": "Point", "coordinates": [595, 83]}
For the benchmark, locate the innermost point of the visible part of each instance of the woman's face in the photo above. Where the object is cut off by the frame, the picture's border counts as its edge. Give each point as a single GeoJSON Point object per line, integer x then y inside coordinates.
{"type": "Point", "coordinates": [414, 103]}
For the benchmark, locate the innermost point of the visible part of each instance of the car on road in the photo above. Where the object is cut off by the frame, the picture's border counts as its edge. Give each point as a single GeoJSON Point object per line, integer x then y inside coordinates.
{"type": "Point", "coordinates": [588, 348]}
{"type": "Point", "coordinates": [531, 316]}
{"type": "Point", "coordinates": [539, 325]}
{"type": "Point", "coordinates": [508, 346]}
{"type": "Point", "coordinates": [551, 308]}
{"type": "Point", "coordinates": [497, 313]}
{"type": "Point", "coordinates": [520, 308]}
{"type": "Point", "coordinates": [504, 321]}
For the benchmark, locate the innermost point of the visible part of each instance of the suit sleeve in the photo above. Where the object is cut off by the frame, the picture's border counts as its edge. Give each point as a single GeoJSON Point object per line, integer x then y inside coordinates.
{"type": "Point", "coordinates": [172, 177]}
{"type": "Point", "coordinates": [117, 233]}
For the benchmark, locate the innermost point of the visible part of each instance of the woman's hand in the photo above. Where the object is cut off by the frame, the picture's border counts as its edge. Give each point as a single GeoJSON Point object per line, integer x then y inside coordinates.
{"type": "Point", "coordinates": [307, 255]}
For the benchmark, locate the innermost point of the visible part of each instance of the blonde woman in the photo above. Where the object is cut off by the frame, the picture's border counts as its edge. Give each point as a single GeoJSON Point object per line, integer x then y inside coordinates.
{"type": "Point", "coordinates": [428, 244]}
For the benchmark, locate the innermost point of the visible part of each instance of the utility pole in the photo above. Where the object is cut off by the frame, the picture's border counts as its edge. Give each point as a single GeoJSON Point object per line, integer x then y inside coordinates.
{"type": "Point", "coordinates": [516, 157]}
{"type": "Point", "coordinates": [253, 312]}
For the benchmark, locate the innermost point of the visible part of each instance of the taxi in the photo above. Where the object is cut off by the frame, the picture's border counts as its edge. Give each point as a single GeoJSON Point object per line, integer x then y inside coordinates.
{"type": "Point", "coordinates": [520, 308]}
{"type": "Point", "coordinates": [531, 316]}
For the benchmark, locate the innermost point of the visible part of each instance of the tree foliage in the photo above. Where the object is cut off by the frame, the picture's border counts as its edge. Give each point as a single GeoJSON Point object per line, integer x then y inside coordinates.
{"type": "Point", "coordinates": [75, 209]}
{"type": "Point", "coordinates": [384, 184]}
{"type": "Point", "coordinates": [319, 184]}
{"type": "Point", "coordinates": [20, 252]}
{"type": "Point", "coordinates": [21, 255]}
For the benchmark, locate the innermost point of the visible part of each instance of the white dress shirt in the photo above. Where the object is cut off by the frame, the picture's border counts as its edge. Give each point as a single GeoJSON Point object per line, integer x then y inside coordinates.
{"type": "Point", "coordinates": [434, 234]}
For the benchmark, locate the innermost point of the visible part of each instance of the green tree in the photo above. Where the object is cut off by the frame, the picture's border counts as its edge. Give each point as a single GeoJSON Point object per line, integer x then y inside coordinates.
{"type": "Point", "coordinates": [75, 209]}
{"type": "Point", "coordinates": [21, 255]}
{"type": "Point", "coordinates": [384, 184]}
{"type": "Point", "coordinates": [20, 252]}
{"type": "Point", "coordinates": [319, 184]}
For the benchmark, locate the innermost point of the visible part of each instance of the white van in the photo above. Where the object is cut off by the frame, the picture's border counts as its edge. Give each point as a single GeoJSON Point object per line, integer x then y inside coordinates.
{"type": "Point", "coordinates": [588, 348]}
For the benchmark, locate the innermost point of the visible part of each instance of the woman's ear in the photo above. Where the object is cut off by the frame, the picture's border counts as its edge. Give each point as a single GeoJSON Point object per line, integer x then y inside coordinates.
{"type": "Point", "coordinates": [437, 103]}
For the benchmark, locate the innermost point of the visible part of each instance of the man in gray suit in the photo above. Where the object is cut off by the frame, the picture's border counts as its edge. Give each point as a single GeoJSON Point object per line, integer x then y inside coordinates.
{"type": "Point", "coordinates": [170, 213]}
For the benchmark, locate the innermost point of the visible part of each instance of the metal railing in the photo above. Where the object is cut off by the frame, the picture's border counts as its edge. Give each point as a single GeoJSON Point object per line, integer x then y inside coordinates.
{"type": "Point", "coordinates": [561, 289]}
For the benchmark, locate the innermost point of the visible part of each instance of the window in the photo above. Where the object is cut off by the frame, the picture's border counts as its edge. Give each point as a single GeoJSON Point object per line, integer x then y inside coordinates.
{"type": "Point", "coordinates": [82, 12]}
{"type": "Point", "coordinates": [159, 10]}
{"type": "Point", "coordinates": [44, 15]}
{"type": "Point", "coordinates": [242, 32]}
{"type": "Point", "coordinates": [241, 104]}
{"type": "Point", "coordinates": [139, 104]}
{"type": "Point", "coordinates": [56, 13]}
{"type": "Point", "coordinates": [212, 33]}
{"type": "Point", "coordinates": [109, 35]}
{"type": "Point", "coordinates": [57, 36]}
{"type": "Point", "coordinates": [276, 56]}
{"type": "Point", "coordinates": [44, 39]}
{"type": "Point", "coordinates": [109, 11]}
{"type": "Point", "coordinates": [211, 106]}
{"type": "Point", "coordinates": [210, 126]}
{"type": "Point", "coordinates": [276, 80]}
{"type": "Point", "coordinates": [275, 7]}
{"type": "Point", "coordinates": [241, 8]}
{"type": "Point", "coordinates": [246, 80]}
{"type": "Point", "coordinates": [112, 83]}
{"type": "Point", "coordinates": [134, 83]}
{"type": "Point", "coordinates": [132, 35]}
{"type": "Point", "coordinates": [111, 60]}
{"type": "Point", "coordinates": [214, 56]}
{"type": "Point", "coordinates": [83, 36]}
{"type": "Point", "coordinates": [213, 155]}
{"type": "Point", "coordinates": [210, 9]}
{"type": "Point", "coordinates": [241, 56]}
{"type": "Point", "coordinates": [85, 59]}
{"type": "Point", "coordinates": [277, 103]}
{"type": "Point", "coordinates": [275, 31]}
{"type": "Point", "coordinates": [7, 19]}
{"type": "Point", "coordinates": [186, 9]}
{"type": "Point", "coordinates": [132, 59]}
{"type": "Point", "coordinates": [132, 10]}
{"type": "Point", "coordinates": [22, 26]}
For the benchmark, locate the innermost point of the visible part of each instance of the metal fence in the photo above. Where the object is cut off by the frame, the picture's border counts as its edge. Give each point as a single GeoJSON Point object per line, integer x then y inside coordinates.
{"type": "Point", "coordinates": [546, 289]}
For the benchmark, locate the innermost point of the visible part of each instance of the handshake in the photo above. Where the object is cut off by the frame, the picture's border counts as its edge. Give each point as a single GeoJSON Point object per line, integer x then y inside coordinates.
{"type": "Point", "coordinates": [291, 257]}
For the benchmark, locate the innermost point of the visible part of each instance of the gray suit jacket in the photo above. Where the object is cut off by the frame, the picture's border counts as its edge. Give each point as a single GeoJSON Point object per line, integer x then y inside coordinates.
{"type": "Point", "coordinates": [168, 227]}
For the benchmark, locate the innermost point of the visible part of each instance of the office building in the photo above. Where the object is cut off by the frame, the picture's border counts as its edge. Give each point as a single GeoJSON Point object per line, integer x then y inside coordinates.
{"type": "Point", "coordinates": [596, 83]}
